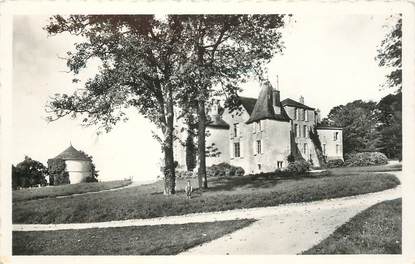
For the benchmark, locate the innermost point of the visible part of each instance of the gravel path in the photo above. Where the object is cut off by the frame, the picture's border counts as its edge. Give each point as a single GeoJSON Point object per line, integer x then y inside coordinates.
{"type": "Point", "coordinates": [294, 228]}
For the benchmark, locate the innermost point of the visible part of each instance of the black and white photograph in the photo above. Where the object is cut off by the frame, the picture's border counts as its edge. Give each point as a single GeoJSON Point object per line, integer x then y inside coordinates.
{"type": "Point", "coordinates": [175, 133]}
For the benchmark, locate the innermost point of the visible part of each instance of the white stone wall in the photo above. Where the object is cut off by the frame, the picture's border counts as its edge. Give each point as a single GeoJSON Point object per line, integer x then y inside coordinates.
{"type": "Point", "coordinates": [219, 137]}
{"type": "Point", "coordinates": [275, 146]}
{"type": "Point", "coordinates": [78, 170]}
{"type": "Point", "coordinates": [332, 149]}
{"type": "Point", "coordinates": [275, 143]}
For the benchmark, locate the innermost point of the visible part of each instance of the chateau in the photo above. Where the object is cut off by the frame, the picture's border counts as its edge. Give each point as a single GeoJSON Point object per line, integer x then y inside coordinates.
{"type": "Point", "coordinates": [263, 132]}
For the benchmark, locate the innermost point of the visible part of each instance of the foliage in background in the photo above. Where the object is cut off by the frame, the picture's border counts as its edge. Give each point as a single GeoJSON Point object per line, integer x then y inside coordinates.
{"type": "Point", "coordinates": [370, 126]}
{"type": "Point", "coordinates": [28, 173]}
{"type": "Point", "coordinates": [57, 172]}
{"type": "Point", "coordinates": [390, 125]}
{"type": "Point", "coordinates": [94, 172]}
{"type": "Point", "coordinates": [359, 122]}
{"type": "Point", "coordinates": [390, 55]}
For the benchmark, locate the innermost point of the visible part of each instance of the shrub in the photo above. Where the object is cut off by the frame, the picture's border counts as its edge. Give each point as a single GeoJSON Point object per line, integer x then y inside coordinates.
{"type": "Point", "coordinates": [298, 167]}
{"type": "Point", "coordinates": [57, 173]}
{"type": "Point", "coordinates": [224, 170]}
{"type": "Point", "coordinates": [91, 179]}
{"type": "Point", "coordinates": [335, 163]}
{"type": "Point", "coordinates": [186, 174]}
{"type": "Point", "coordinates": [360, 159]}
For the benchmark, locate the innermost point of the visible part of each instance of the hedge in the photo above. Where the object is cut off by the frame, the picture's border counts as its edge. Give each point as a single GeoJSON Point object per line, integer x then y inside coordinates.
{"type": "Point", "coordinates": [361, 159]}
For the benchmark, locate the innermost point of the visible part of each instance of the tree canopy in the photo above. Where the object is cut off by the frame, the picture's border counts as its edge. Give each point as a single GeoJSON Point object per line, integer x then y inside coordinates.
{"type": "Point", "coordinates": [28, 173]}
{"type": "Point", "coordinates": [390, 55]}
{"type": "Point", "coordinates": [156, 64]}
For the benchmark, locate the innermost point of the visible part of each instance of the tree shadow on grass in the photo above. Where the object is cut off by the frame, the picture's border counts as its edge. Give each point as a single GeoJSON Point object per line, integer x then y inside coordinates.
{"type": "Point", "coordinates": [244, 182]}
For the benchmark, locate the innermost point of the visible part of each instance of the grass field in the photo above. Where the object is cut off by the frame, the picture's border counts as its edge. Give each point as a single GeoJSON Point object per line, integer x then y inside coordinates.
{"type": "Point", "coordinates": [353, 170]}
{"type": "Point", "coordinates": [54, 191]}
{"type": "Point", "coordinates": [148, 201]}
{"type": "Point", "coordinates": [141, 240]}
{"type": "Point", "coordinates": [377, 230]}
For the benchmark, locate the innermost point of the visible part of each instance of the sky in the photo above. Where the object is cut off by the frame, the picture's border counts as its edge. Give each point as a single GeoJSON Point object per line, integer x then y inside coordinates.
{"type": "Point", "coordinates": [329, 60]}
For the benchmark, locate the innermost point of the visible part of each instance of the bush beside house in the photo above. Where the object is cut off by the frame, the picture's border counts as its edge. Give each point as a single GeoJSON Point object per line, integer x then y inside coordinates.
{"type": "Point", "coordinates": [365, 159]}
{"type": "Point", "coordinates": [224, 170]}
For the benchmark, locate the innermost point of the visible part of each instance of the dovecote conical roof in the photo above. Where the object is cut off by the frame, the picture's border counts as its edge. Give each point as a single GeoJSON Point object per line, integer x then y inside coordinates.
{"type": "Point", "coordinates": [71, 153]}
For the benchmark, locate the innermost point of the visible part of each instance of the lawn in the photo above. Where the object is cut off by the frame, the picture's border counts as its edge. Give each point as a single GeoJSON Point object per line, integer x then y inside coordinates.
{"type": "Point", "coordinates": [140, 240]}
{"type": "Point", "coordinates": [377, 230]}
{"type": "Point", "coordinates": [67, 189]}
{"type": "Point", "coordinates": [225, 193]}
{"type": "Point", "coordinates": [377, 168]}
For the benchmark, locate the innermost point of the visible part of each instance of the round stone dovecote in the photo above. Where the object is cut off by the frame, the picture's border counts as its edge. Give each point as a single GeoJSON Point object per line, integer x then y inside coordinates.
{"type": "Point", "coordinates": [77, 163]}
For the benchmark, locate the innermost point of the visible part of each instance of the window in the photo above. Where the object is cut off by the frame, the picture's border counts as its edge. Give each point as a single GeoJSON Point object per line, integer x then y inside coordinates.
{"type": "Point", "coordinates": [296, 130]}
{"type": "Point", "coordinates": [259, 126]}
{"type": "Point", "coordinates": [279, 164]}
{"type": "Point", "coordinates": [235, 130]}
{"type": "Point", "coordinates": [324, 149]}
{"type": "Point", "coordinates": [337, 149]}
{"type": "Point", "coordinates": [295, 113]}
{"type": "Point", "coordinates": [306, 115]}
{"type": "Point", "coordinates": [305, 148]}
{"type": "Point", "coordinates": [236, 150]}
{"type": "Point", "coordinates": [255, 127]}
{"type": "Point", "coordinates": [305, 131]}
{"type": "Point", "coordinates": [336, 135]}
{"type": "Point", "coordinates": [258, 147]}
{"type": "Point", "coordinates": [259, 166]}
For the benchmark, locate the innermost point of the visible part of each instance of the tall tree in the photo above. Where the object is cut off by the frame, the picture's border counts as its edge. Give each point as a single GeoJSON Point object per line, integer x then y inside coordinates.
{"type": "Point", "coordinates": [390, 55]}
{"type": "Point", "coordinates": [225, 50]}
{"type": "Point", "coordinates": [140, 56]}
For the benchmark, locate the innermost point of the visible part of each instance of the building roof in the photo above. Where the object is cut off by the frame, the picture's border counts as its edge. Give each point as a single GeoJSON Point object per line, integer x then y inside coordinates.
{"type": "Point", "coordinates": [218, 122]}
{"type": "Point", "coordinates": [264, 108]}
{"type": "Point", "coordinates": [329, 128]}
{"type": "Point", "coordinates": [71, 154]}
{"type": "Point", "coordinates": [248, 103]}
{"type": "Point", "coordinates": [291, 102]}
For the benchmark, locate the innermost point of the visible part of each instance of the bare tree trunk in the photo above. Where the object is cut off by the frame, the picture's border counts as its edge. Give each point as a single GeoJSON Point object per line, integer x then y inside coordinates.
{"type": "Point", "coordinates": [169, 168]}
{"type": "Point", "coordinates": [201, 145]}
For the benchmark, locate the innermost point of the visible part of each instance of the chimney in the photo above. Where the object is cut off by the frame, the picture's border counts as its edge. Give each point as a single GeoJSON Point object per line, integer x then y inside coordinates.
{"type": "Point", "coordinates": [302, 99]}
{"type": "Point", "coordinates": [276, 101]}
{"type": "Point", "coordinates": [215, 108]}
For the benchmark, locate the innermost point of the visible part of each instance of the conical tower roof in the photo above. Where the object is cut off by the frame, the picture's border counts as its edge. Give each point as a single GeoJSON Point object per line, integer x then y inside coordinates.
{"type": "Point", "coordinates": [71, 154]}
{"type": "Point", "coordinates": [264, 108]}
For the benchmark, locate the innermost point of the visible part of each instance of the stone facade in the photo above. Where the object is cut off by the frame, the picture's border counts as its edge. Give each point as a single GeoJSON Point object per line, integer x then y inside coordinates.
{"type": "Point", "coordinates": [263, 132]}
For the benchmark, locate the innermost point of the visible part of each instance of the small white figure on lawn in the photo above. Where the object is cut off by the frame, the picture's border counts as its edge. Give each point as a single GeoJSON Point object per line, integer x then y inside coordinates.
{"type": "Point", "coordinates": [188, 189]}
